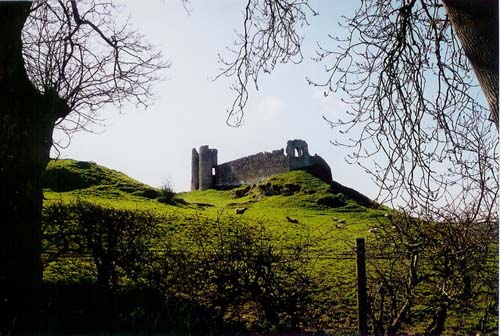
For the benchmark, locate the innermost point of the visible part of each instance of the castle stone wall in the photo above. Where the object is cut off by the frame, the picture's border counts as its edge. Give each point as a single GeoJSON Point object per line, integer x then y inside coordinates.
{"type": "Point", "coordinates": [206, 173]}
{"type": "Point", "coordinates": [314, 165]}
{"type": "Point", "coordinates": [251, 169]}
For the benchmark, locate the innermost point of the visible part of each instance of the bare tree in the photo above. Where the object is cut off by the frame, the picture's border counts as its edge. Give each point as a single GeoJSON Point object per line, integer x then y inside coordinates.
{"type": "Point", "coordinates": [405, 69]}
{"type": "Point", "coordinates": [89, 58]}
{"type": "Point", "coordinates": [476, 26]}
{"type": "Point", "coordinates": [423, 271]}
{"type": "Point", "coordinates": [413, 101]}
{"type": "Point", "coordinates": [60, 62]}
{"type": "Point", "coordinates": [270, 35]}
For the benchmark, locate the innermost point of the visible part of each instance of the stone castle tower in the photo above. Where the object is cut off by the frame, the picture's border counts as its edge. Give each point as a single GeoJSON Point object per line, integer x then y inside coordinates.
{"type": "Point", "coordinates": [203, 167]}
{"type": "Point", "coordinates": [206, 173]}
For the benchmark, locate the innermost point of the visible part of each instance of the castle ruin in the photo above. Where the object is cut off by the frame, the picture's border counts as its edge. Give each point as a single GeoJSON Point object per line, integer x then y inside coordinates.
{"type": "Point", "coordinates": [206, 173]}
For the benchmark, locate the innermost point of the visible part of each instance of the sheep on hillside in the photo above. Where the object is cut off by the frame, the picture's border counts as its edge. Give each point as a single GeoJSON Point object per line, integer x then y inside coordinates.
{"type": "Point", "coordinates": [240, 211]}
{"type": "Point", "coordinates": [341, 224]}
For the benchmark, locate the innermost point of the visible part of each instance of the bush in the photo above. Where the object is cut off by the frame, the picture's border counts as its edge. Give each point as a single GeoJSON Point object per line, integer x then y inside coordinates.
{"type": "Point", "coordinates": [147, 193]}
{"type": "Point", "coordinates": [240, 192]}
{"type": "Point", "coordinates": [218, 275]}
{"type": "Point", "coordinates": [121, 243]}
{"type": "Point", "coordinates": [441, 274]}
{"type": "Point", "coordinates": [242, 278]}
{"type": "Point", "coordinates": [167, 193]}
{"type": "Point", "coordinates": [334, 201]}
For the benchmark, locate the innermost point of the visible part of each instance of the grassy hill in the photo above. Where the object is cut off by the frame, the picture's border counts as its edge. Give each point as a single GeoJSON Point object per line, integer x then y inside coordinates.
{"type": "Point", "coordinates": [63, 176]}
{"type": "Point", "coordinates": [294, 209]}
{"type": "Point", "coordinates": [298, 213]}
{"type": "Point", "coordinates": [295, 194]}
{"type": "Point", "coordinates": [287, 262]}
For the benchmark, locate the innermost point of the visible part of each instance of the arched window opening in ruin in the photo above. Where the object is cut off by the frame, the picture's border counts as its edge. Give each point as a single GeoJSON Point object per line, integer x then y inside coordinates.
{"type": "Point", "coordinates": [213, 171]}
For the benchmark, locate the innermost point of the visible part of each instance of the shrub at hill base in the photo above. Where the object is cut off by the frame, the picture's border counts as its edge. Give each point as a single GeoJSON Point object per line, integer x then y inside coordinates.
{"type": "Point", "coordinates": [240, 277]}
{"type": "Point", "coordinates": [120, 243]}
{"type": "Point", "coordinates": [216, 275]}
{"type": "Point", "coordinates": [442, 275]}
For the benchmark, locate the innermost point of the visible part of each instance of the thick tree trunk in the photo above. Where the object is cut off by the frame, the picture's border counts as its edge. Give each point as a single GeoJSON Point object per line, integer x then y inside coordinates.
{"type": "Point", "coordinates": [27, 120]}
{"type": "Point", "coordinates": [436, 327]}
{"type": "Point", "coordinates": [476, 24]}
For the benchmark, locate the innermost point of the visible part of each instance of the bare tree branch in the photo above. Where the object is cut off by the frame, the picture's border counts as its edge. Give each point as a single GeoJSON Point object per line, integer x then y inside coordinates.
{"type": "Point", "coordinates": [416, 121]}
{"type": "Point", "coordinates": [89, 59]}
{"type": "Point", "coordinates": [270, 36]}
{"type": "Point", "coordinates": [414, 106]}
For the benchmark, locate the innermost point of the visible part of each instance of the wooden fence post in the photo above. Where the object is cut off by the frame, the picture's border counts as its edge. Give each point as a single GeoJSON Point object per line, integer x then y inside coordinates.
{"type": "Point", "coordinates": [362, 297]}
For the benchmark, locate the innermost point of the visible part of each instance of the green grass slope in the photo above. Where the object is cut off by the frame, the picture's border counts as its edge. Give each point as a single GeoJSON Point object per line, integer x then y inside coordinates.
{"type": "Point", "coordinates": [294, 208]}
{"type": "Point", "coordinates": [88, 179]}
{"type": "Point", "coordinates": [294, 205]}
{"type": "Point", "coordinates": [295, 194]}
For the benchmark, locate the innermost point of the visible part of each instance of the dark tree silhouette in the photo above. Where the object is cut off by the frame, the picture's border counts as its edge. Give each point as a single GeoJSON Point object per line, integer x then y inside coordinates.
{"type": "Point", "coordinates": [476, 24]}
{"type": "Point", "coordinates": [60, 62]}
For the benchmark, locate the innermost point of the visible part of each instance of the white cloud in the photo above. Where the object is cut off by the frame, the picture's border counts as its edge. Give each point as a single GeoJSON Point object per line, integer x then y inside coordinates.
{"type": "Point", "coordinates": [269, 108]}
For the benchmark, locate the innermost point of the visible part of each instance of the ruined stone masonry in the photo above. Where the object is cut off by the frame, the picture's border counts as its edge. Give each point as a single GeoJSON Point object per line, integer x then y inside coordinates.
{"type": "Point", "coordinates": [207, 174]}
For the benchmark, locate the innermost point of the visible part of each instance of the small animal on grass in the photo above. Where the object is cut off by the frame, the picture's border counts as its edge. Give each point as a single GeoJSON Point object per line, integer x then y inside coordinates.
{"type": "Point", "coordinates": [240, 211]}
{"type": "Point", "coordinates": [292, 220]}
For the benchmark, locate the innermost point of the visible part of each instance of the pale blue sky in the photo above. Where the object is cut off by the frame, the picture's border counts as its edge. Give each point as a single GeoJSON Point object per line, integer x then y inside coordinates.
{"type": "Point", "coordinates": [190, 110]}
